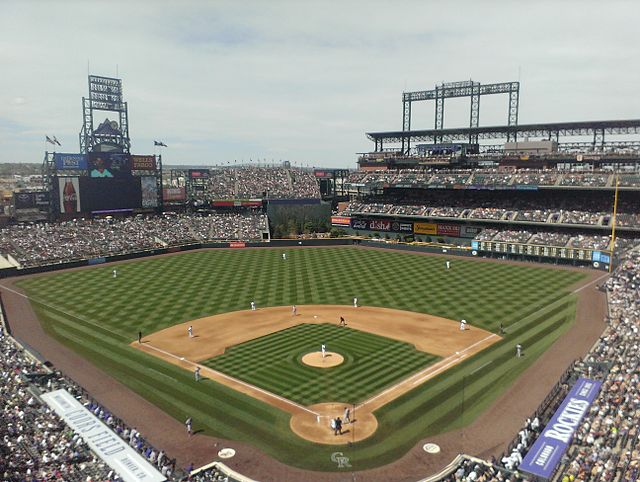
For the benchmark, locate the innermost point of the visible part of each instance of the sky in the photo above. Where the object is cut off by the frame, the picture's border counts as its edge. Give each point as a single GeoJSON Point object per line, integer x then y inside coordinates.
{"type": "Point", "coordinates": [303, 81]}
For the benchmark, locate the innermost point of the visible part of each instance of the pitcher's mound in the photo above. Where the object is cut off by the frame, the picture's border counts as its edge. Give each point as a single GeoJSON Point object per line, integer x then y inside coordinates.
{"type": "Point", "coordinates": [314, 359]}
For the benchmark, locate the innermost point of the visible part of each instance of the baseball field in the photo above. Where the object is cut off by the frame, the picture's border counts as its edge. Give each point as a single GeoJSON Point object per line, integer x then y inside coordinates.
{"type": "Point", "coordinates": [405, 365]}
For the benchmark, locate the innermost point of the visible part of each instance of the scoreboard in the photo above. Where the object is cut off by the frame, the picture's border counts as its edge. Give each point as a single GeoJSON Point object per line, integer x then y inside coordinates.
{"type": "Point", "coordinates": [561, 252]}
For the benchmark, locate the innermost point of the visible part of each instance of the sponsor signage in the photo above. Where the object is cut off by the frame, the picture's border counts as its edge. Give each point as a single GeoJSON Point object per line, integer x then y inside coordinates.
{"type": "Point", "coordinates": [250, 203]}
{"type": "Point", "coordinates": [41, 198]}
{"type": "Point", "coordinates": [405, 228]}
{"type": "Point", "coordinates": [174, 194]}
{"type": "Point", "coordinates": [449, 230]}
{"type": "Point", "coordinates": [143, 163]}
{"type": "Point", "coordinates": [70, 161]}
{"type": "Point", "coordinates": [24, 200]}
{"type": "Point", "coordinates": [198, 174]}
{"type": "Point", "coordinates": [469, 231]}
{"type": "Point", "coordinates": [600, 257]}
{"type": "Point", "coordinates": [556, 437]}
{"type": "Point", "coordinates": [340, 220]}
{"type": "Point", "coordinates": [237, 244]}
{"type": "Point", "coordinates": [114, 451]}
{"type": "Point", "coordinates": [69, 195]}
{"type": "Point", "coordinates": [149, 191]}
{"type": "Point", "coordinates": [379, 225]}
{"type": "Point", "coordinates": [359, 224]}
{"type": "Point", "coordinates": [425, 228]}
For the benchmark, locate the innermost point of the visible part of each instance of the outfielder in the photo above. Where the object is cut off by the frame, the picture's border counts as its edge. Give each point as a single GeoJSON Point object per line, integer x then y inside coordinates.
{"type": "Point", "coordinates": [448, 264]}
{"type": "Point", "coordinates": [115, 273]}
{"type": "Point", "coordinates": [284, 256]}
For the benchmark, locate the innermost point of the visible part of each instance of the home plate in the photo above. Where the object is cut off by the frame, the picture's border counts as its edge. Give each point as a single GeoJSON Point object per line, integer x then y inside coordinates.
{"type": "Point", "coordinates": [228, 453]}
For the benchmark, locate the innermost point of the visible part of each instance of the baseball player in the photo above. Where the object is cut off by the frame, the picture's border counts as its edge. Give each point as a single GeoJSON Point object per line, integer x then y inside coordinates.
{"type": "Point", "coordinates": [355, 302]}
{"type": "Point", "coordinates": [294, 310]}
{"type": "Point", "coordinates": [346, 415]}
{"type": "Point", "coordinates": [448, 264]}
{"type": "Point", "coordinates": [518, 350]}
{"type": "Point", "coordinates": [188, 423]}
{"type": "Point", "coordinates": [342, 321]}
{"type": "Point", "coordinates": [463, 325]}
{"type": "Point", "coordinates": [190, 331]}
{"type": "Point", "coordinates": [253, 306]}
{"type": "Point", "coordinates": [323, 348]}
{"type": "Point", "coordinates": [114, 273]}
{"type": "Point", "coordinates": [139, 337]}
{"type": "Point", "coordinates": [196, 374]}
{"type": "Point", "coordinates": [284, 256]}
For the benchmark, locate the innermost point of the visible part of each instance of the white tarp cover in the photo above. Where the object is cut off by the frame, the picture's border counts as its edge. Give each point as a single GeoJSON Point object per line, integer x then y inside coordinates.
{"type": "Point", "coordinates": [116, 453]}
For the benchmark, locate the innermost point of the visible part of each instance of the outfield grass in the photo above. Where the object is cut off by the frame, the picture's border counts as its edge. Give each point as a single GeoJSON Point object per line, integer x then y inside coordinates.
{"type": "Point", "coordinates": [371, 363]}
{"type": "Point", "coordinates": [98, 316]}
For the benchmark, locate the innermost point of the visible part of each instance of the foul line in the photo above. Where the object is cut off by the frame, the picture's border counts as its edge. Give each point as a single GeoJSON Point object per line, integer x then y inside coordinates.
{"type": "Point", "coordinates": [590, 283]}
{"type": "Point", "coordinates": [235, 380]}
{"type": "Point", "coordinates": [429, 371]}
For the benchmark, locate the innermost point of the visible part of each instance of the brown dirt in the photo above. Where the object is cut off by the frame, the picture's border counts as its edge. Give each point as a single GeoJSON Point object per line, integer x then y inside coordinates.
{"type": "Point", "coordinates": [317, 427]}
{"type": "Point", "coordinates": [489, 435]}
{"type": "Point", "coordinates": [316, 360]}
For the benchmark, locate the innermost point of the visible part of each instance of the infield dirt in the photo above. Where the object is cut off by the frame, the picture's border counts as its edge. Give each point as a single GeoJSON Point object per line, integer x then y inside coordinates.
{"type": "Point", "coordinates": [213, 334]}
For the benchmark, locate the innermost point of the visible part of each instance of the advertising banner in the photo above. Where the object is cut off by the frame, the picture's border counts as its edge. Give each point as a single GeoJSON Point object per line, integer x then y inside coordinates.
{"type": "Point", "coordinates": [198, 173]}
{"type": "Point", "coordinates": [70, 161]}
{"type": "Point", "coordinates": [248, 203]}
{"type": "Point", "coordinates": [469, 231]}
{"type": "Point", "coordinates": [109, 164]}
{"type": "Point", "coordinates": [143, 163]}
{"type": "Point", "coordinates": [174, 194]}
{"type": "Point", "coordinates": [237, 244]}
{"type": "Point", "coordinates": [425, 228]}
{"type": "Point", "coordinates": [449, 230]}
{"type": "Point", "coordinates": [556, 437]}
{"type": "Point", "coordinates": [379, 225]}
{"type": "Point", "coordinates": [24, 200]}
{"type": "Point", "coordinates": [340, 221]}
{"type": "Point", "coordinates": [149, 192]}
{"type": "Point", "coordinates": [359, 223]}
{"type": "Point", "coordinates": [403, 227]}
{"type": "Point", "coordinates": [42, 198]}
{"type": "Point", "coordinates": [113, 450]}
{"type": "Point", "coordinates": [69, 195]}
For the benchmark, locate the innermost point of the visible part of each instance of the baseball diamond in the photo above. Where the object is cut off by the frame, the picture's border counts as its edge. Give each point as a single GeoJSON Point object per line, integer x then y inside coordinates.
{"type": "Point", "coordinates": [159, 293]}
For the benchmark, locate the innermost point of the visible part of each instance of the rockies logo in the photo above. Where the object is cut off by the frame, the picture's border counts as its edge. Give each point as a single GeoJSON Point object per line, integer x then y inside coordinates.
{"type": "Point", "coordinates": [340, 459]}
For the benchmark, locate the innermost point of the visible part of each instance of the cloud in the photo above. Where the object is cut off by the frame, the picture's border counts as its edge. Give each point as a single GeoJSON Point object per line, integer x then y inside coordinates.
{"type": "Point", "coordinates": [304, 81]}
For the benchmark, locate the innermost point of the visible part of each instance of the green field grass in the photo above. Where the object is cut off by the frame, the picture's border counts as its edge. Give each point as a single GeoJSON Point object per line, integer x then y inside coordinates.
{"type": "Point", "coordinates": [272, 362]}
{"type": "Point", "coordinates": [98, 316]}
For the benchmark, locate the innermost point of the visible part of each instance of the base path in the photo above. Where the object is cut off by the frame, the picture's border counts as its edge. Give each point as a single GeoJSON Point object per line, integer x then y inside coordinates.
{"type": "Point", "coordinates": [213, 334]}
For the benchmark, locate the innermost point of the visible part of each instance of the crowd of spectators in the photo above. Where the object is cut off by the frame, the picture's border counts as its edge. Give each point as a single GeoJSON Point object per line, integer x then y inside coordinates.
{"type": "Point", "coordinates": [491, 177]}
{"type": "Point", "coordinates": [253, 182]}
{"type": "Point", "coordinates": [49, 243]}
{"type": "Point", "coordinates": [36, 443]}
{"type": "Point", "coordinates": [477, 205]}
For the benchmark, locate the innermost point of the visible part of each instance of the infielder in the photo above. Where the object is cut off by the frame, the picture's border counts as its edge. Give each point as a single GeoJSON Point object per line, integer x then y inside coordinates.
{"type": "Point", "coordinates": [346, 415]}
{"type": "Point", "coordinates": [190, 331]}
{"type": "Point", "coordinates": [355, 302]}
{"type": "Point", "coordinates": [114, 273]}
{"type": "Point", "coordinates": [323, 348]}
{"type": "Point", "coordinates": [294, 310]}
{"type": "Point", "coordinates": [196, 374]}
{"type": "Point", "coordinates": [253, 306]}
{"type": "Point", "coordinates": [342, 321]}
{"type": "Point", "coordinates": [463, 325]}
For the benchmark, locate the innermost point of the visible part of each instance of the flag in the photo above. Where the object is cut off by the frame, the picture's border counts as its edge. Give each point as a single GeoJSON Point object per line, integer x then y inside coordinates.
{"type": "Point", "coordinates": [50, 141]}
{"type": "Point", "coordinates": [56, 141]}
{"type": "Point", "coordinates": [159, 143]}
